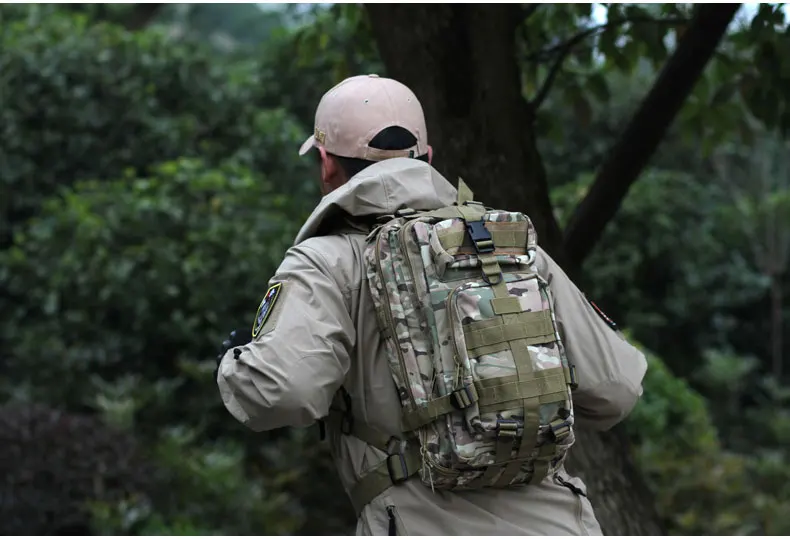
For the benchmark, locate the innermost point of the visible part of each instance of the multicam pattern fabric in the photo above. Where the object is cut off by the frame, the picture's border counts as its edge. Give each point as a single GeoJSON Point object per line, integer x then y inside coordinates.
{"type": "Point", "coordinates": [429, 301]}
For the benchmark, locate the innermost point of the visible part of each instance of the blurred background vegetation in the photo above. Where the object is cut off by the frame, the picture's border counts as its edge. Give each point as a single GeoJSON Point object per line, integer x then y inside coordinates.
{"type": "Point", "coordinates": [149, 185]}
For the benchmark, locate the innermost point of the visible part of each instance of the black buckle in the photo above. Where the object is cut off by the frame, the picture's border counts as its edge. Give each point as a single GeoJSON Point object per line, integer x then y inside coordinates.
{"type": "Point", "coordinates": [478, 233]}
{"type": "Point", "coordinates": [347, 424]}
{"type": "Point", "coordinates": [574, 382]}
{"type": "Point", "coordinates": [401, 464]}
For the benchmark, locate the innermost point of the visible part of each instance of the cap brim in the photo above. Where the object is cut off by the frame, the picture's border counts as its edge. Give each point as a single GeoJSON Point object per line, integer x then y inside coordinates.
{"type": "Point", "coordinates": [309, 143]}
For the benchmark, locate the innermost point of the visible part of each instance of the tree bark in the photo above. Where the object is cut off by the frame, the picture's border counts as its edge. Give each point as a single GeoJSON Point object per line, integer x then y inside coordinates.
{"type": "Point", "coordinates": [460, 61]}
{"type": "Point", "coordinates": [622, 501]}
{"type": "Point", "coordinates": [644, 132]}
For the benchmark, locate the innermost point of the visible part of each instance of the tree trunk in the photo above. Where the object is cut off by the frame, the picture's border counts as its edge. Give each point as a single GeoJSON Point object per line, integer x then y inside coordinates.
{"type": "Point", "coordinates": [460, 61]}
{"type": "Point", "coordinates": [622, 501]}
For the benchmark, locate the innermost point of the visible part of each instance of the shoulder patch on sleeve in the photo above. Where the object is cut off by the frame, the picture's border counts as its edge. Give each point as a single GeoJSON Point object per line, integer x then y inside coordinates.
{"type": "Point", "coordinates": [265, 308]}
{"type": "Point", "coordinates": [609, 322]}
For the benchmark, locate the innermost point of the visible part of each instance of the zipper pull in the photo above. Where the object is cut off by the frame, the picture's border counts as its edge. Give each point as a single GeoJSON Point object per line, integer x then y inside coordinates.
{"type": "Point", "coordinates": [391, 515]}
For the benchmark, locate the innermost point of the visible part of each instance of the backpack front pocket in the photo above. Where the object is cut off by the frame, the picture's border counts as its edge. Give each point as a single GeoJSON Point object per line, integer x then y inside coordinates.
{"type": "Point", "coordinates": [507, 353]}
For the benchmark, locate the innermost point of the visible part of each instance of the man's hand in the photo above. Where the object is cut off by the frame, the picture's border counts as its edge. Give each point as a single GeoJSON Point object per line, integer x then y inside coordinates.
{"type": "Point", "coordinates": [237, 337]}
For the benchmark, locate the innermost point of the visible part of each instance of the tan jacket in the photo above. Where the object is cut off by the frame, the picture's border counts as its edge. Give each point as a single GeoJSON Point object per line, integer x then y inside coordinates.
{"type": "Point", "coordinates": [322, 332]}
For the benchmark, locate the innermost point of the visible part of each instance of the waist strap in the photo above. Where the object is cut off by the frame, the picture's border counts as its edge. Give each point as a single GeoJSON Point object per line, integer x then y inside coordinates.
{"type": "Point", "coordinates": [402, 461]}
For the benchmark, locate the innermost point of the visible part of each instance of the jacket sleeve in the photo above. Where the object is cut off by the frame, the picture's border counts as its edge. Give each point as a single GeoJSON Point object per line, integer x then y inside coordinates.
{"type": "Point", "coordinates": [289, 373]}
{"type": "Point", "coordinates": [609, 370]}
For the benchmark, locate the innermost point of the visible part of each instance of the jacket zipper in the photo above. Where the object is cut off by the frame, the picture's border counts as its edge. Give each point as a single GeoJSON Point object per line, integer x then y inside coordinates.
{"type": "Point", "coordinates": [392, 528]}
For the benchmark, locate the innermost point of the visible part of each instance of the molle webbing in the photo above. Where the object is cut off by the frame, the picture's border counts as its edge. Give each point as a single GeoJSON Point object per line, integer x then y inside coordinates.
{"type": "Point", "coordinates": [533, 328]}
{"type": "Point", "coordinates": [454, 239]}
{"type": "Point", "coordinates": [526, 330]}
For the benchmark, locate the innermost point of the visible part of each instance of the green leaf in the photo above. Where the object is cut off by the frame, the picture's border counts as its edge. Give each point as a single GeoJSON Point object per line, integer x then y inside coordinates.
{"type": "Point", "coordinates": [598, 86]}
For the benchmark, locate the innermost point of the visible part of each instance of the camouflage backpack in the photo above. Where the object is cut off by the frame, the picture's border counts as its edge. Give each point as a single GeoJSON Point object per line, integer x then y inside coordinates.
{"type": "Point", "coordinates": [474, 351]}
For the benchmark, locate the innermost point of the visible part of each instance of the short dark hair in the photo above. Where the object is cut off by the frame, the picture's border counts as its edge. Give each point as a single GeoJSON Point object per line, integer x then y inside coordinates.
{"type": "Point", "coordinates": [391, 138]}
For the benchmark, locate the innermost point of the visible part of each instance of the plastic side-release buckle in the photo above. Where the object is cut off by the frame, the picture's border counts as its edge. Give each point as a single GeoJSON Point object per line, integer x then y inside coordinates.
{"type": "Point", "coordinates": [397, 468]}
{"type": "Point", "coordinates": [507, 427]}
{"type": "Point", "coordinates": [347, 424]}
{"type": "Point", "coordinates": [480, 236]}
{"type": "Point", "coordinates": [464, 397]}
{"type": "Point", "coordinates": [405, 212]}
{"type": "Point", "coordinates": [560, 429]}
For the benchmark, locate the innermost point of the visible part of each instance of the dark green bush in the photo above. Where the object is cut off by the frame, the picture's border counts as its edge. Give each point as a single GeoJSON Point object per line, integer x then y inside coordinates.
{"type": "Point", "coordinates": [130, 285]}
{"type": "Point", "coordinates": [83, 100]}
{"type": "Point", "coordinates": [139, 275]}
{"type": "Point", "coordinates": [677, 273]}
{"type": "Point", "coordinates": [702, 488]}
{"type": "Point", "coordinates": [53, 463]}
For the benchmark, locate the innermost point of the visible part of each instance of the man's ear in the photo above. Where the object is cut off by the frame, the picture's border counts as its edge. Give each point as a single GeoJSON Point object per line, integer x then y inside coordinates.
{"type": "Point", "coordinates": [430, 154]}
{"type": "Point", "coordinates": [331, 174]}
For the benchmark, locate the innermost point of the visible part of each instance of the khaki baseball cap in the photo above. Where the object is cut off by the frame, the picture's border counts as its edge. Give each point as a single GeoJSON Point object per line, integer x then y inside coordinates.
{"type": "Point", "coordinates": [357, 109]}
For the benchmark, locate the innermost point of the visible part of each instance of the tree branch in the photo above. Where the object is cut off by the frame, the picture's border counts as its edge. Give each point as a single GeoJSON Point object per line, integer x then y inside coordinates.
{"type": "Point", "coordinates": [574, 40]}
{"type": "Point", "coordinates": [565, 48]}
{"type": "Point", "coordinates": [647, 127]}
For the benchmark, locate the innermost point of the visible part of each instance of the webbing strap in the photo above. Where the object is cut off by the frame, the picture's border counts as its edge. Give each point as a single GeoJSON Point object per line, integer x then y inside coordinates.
{"type": "Point", "coordinates": [522, 389]}
{"type": "Point", "coordinates": [462, 398]}
{"type": "Point", "coordinates": [393, 470]}
{"type": "Point", "coordinates": [536, 328]}
{"type": "Point", "coordinates": [464, 192]}
{"type": "Point", "coordinates": [506, 434]}
{"type": "Point", "coordinates": [453, 239]}
{"type": "Point", "coordinates": [525, 388]}
{"type": "Point", "coordinates": [509, 305]}
{"type": "Point", "coordinates": [466, 212]}
{"type": "Point", "coordinates": [491, 269]}
{"type": "Point", "coordinates": [344, 423]}
{"type": "Point", "coordinates": [551, 398]}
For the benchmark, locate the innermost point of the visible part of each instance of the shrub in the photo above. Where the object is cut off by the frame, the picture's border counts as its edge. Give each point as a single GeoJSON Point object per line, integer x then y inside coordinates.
{"type": "Point", "coordinates": [53, 463]}
{"type": "Point", "coordinates": [701, 488]}
{"type": "Point", "coordinates": [130, 286]}
{"type": "Point", "coordinates": [83, 100]}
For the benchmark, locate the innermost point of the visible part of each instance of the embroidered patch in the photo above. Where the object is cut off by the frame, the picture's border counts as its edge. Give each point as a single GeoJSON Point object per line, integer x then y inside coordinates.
{"type": "Point", "coordinates": [265, 308]}
{"type": "Point", "coordinates": [609, 321]}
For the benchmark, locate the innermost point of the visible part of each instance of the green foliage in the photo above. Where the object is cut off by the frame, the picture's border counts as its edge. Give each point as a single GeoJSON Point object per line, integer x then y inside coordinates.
{"type": "Point", "coordinates": [685, 274]}
{"type": "Point", "coordinates": [152, 184]}
{"type": "Point", "coordinates": [84, 100]}
{"type": "Point", "coordinates": [52, 462]}
{"type": "Point", "coordinates": [168, 263]}
{"type": "Point", "coordinates": [302, 64]}
{"type": "Point", "coordinates": [691, 473]}
{"type": "Point", "coordinates": [145, 254]}
{"type": "Point", "coordinates": [208, 492]}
